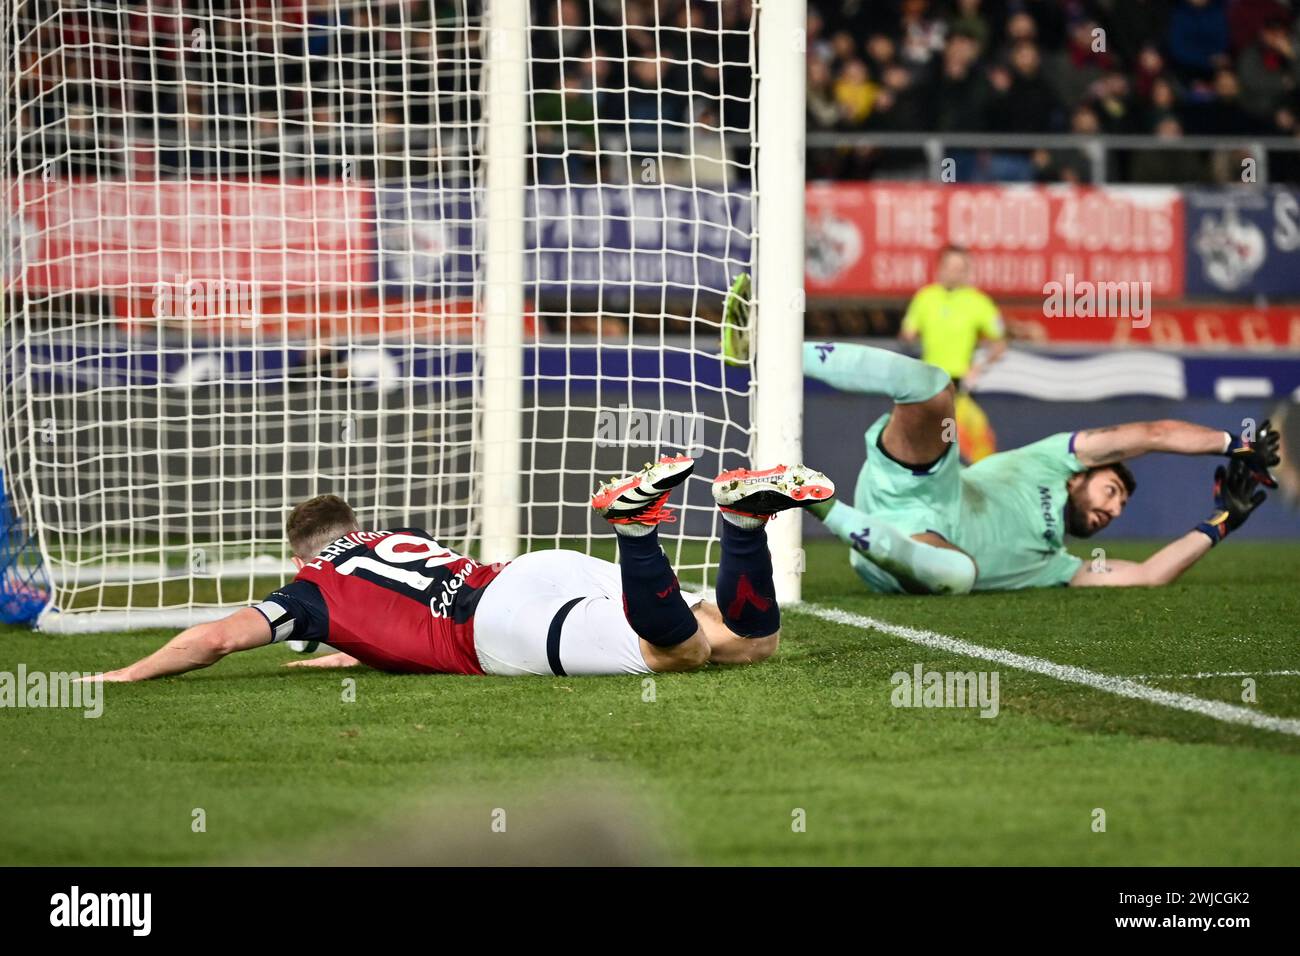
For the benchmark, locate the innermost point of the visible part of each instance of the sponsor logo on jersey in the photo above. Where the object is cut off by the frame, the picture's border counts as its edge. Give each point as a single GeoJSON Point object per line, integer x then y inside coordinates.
{"type": "Point", "coordinates": [442, 605]}
{"type": "Point", "coordinates": [1049, 514]}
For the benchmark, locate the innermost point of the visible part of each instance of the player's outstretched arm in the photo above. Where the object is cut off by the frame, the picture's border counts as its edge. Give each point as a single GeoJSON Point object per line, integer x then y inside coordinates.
{"type": "Point", "coordinates": [1236, 496]}
{"type": "Point", "coordinates": [1163, 567]}
{"type": "Point", "coordinates": [1105, 446]}
{"type": "Point", "coordinates": [199, 646]}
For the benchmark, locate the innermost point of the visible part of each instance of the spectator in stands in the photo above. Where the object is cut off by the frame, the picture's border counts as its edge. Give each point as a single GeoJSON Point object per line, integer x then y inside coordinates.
{"type": "Point", "coordinates": [960, 93]}
{"type": "Point", "coordinates": [570, 38]}
{"type": "Point", "coordinates": [921, 34]}
{"type": "Point", "coordinates": [734, 22]}
{"type": "Point", "coordinates": [1131, 25]}
{"type": "Point", "coordinates": [1068, 165]}
{"type": "Point", "coordinates": [687, 46]}
{"type": "Point", "coordinates": [818, 46]}
{"type": "Point", "coordinates": [969, 21]}
{"type": "Point", "coordinates": [1020, 28]}
{"type": "Point", "coordinates": [391, 145]}
{"type": "Point", "coordinates": [324, 142]}
{"type": "Point", "coordinates": [638, 38]}
{"type": "Point", "coordinates": [1197, 39]}
{"type": "Point", "coordinates": [80, 141]}
{"type": "Point", "coordinates": [1049, 18]}
{"type": "Point", "coordinates": [900, 103]}
{"type": "Point", "coordinates": [1219, 111]}
{"type": "Point", "coordinates": [603, 82]}
{"type": "Point", "coordinates": [565, 131]}
{"type": "Point", "coordinates": [1080, 64]}
{"type": "Point", "coordinates": [1161, 104]}
{"type": "Point", "coordinates": [1023, 101]}
{"type": "Point", "coordinates": [823, 108]}
{"type": "Point", "coordinates": [825, 114]}
{"type": "Point", "coordinates": [843, 48]}
{"type": "Point", "coordinates": [650, 105]}
{"type": "Point", "coordinates": [1168, 166]}
{"type": "Point", "coordinates": [882, 53]}
{"type": "Point", "coordinates": [855, 94]}
{"type": "Point", "coordinates": [565, 33]}
{"type": "Point", "coordinates": [1148, 67]}
{"type": "Point", "coordinates": [1246, 18]}
{"type": "Point", "coordinates": [1115, 105]}
{"type": "Point", "coordinates": [1268, 72]}
{"type": "Point", "coordinates": [703, 161]}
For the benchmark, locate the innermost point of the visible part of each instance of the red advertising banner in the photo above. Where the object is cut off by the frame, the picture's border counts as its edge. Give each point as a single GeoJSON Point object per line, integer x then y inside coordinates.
{"type": "Point", "coordinates": [882, 239]}
{"type": "Point", "coordinates": [1206, 327]}
{"type": "Point", "coordinates": [128, 237]}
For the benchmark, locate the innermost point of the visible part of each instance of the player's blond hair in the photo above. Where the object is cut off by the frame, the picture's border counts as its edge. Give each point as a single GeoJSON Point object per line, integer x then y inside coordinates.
{"type": "Point", "coordinates": [318, 521]}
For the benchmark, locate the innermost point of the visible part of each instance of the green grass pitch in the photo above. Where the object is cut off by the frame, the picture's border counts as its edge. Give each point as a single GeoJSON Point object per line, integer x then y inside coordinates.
{"type": "Point", "coordinates": [802, 760]}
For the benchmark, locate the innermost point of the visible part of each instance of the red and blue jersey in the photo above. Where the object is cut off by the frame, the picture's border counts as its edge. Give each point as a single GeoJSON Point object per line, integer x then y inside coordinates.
{"type": "Point", "coordinates": [395, 600]}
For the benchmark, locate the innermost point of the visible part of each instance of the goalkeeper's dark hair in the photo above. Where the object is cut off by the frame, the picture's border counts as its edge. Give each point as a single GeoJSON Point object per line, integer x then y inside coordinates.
{"type": "Point", "coordinates": [1121, 472]}
{"type": "Point", "coordinates": [318, 521]}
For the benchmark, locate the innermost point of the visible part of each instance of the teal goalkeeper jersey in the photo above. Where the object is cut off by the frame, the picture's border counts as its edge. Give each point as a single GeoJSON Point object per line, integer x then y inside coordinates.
{"type": "Point", "coordinates": [1012, 516]}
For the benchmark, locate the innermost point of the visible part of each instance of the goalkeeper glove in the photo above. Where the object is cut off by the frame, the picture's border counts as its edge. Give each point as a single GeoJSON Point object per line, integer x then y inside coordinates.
{"type": "Point", "coordinates": [735, 322]}
{"type": "Point", "coordinates": [1259, 455]}
{"type": "Point", "coordinates": [1233, 500]}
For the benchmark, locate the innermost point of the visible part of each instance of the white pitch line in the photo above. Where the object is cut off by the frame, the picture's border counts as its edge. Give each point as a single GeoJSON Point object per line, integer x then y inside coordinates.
{"type": "Point", "coordinates": [1201, 675]}
{"type": "Point", "coordinates": [1120, 686]}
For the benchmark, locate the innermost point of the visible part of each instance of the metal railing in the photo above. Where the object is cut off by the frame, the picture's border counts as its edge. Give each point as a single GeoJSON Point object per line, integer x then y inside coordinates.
{"type": "Point", "coordinates": [1097, 149]}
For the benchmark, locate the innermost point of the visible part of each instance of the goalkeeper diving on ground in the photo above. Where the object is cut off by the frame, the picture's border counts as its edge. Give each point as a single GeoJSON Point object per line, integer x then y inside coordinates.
{"type": "Point", "coordinates": [920, 523]}
{"type": "Point", "coordinates": [399, 601]}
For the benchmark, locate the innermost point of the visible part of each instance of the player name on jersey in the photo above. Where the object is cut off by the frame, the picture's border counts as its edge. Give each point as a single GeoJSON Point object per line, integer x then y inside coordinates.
{"type": "Point", "coordinates": [344, 545]}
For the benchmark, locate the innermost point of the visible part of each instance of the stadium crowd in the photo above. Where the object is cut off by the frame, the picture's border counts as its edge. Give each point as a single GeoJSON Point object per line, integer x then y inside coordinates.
{"type": "Point", "coordinates": [1166, 68]}
{"type": "Point", "coordinates": [291, 86]}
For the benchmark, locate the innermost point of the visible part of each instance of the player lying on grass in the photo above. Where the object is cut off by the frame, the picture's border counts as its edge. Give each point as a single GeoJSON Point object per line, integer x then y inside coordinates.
{"type": "Point", "coordinates": [921, 523]}
{"type": "Point", "coordinates": [399, 601]}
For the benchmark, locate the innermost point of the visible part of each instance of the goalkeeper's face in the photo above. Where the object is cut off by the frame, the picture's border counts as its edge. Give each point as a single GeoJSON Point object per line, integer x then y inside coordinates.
{"type": "Point", "coordinates": [1096, 500]}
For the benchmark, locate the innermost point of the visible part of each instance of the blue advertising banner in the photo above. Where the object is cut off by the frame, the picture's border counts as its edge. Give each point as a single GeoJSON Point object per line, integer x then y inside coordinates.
{"type": "Point", "coordinates": [579, 239]}
{"type": "Point", "coordinates": [426, 240]}
{"type": "Point", "coordinates": [1243, 242]}
{"type": "Point", "coordinates": [612, 239]}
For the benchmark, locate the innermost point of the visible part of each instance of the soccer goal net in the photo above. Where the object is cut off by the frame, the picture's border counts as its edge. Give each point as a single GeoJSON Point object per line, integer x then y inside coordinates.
{"type": "Point", "coordinates": [456, 262]}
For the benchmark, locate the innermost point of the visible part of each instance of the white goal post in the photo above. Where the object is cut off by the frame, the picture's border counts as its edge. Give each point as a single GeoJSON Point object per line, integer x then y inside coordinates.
{"type": "Point", "coordinates": [778, 277]}
{"type": "Point", "coordinates": [455, 261]}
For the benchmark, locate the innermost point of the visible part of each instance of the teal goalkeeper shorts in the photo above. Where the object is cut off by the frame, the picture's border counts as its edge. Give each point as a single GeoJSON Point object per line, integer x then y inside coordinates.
{"type": "Point", "coordinates": [912, 500]}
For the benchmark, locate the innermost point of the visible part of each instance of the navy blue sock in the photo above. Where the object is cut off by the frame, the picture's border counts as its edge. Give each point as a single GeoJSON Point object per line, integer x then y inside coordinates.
{"type": "Point", "coordinates": [652, 599]}
{"type": "Point", "coordinates": [746, 595]}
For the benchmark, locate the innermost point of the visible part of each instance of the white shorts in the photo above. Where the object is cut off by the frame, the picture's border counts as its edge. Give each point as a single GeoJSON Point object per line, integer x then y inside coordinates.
{"type": "Point", "coordinates": [519, 628]}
